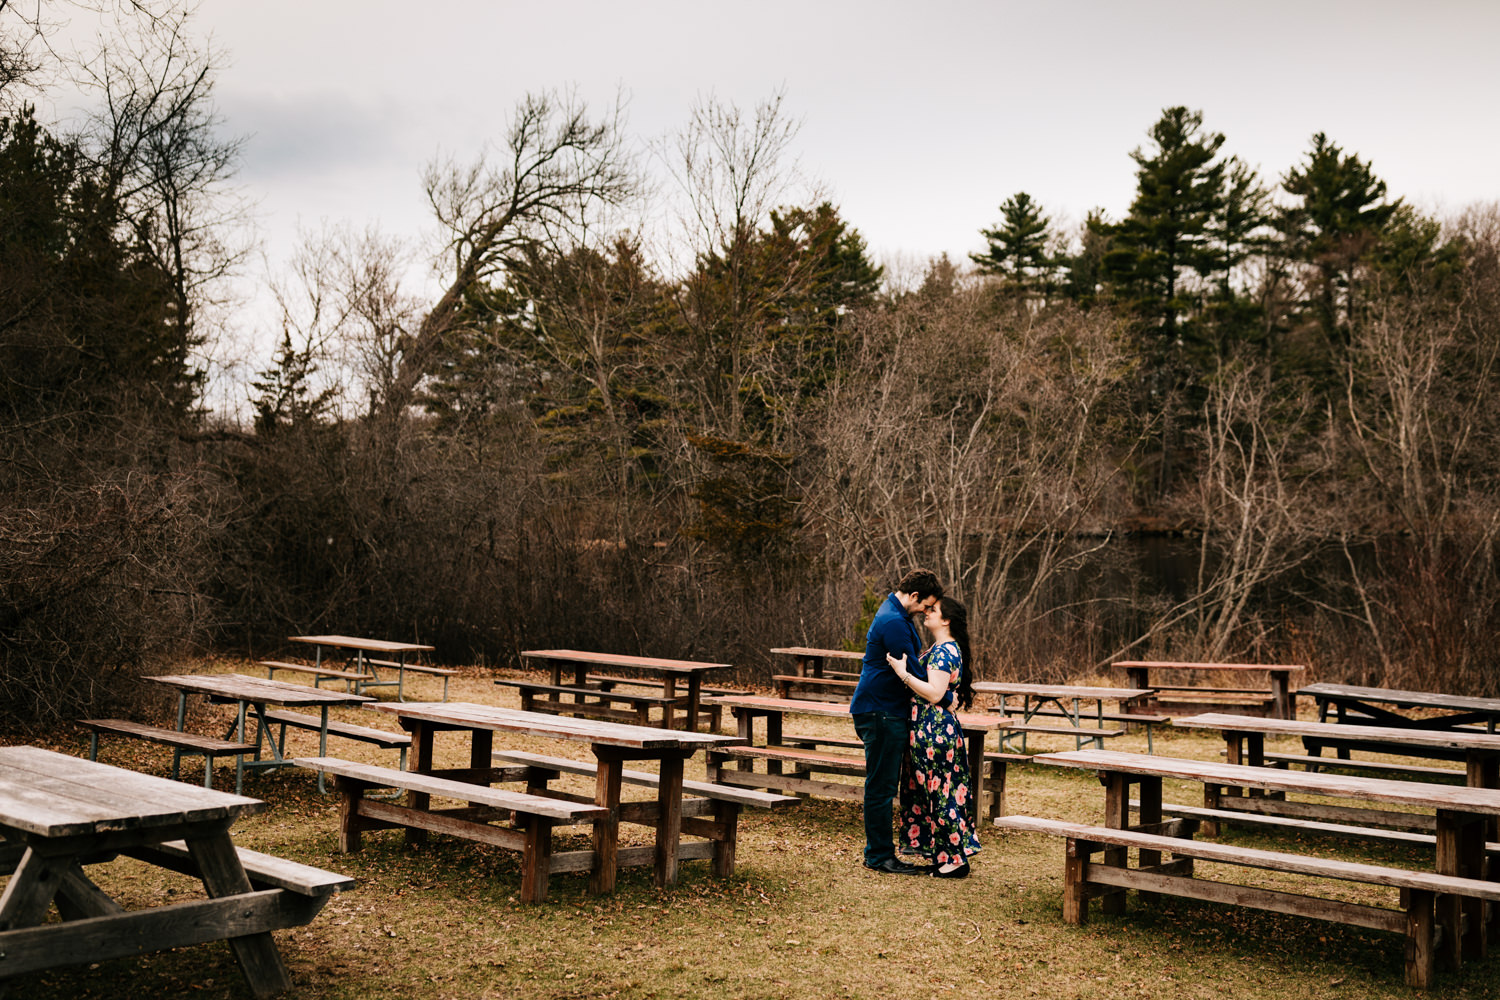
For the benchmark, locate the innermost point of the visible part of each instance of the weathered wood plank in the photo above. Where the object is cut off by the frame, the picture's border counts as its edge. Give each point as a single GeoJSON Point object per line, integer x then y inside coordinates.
{"type": "Point", "coordinates": [1235, 854]}
{"type": "Point", "coordinates": [447, 788]}
{"type": "Point", "coordinates": [762, 800]}
{"type": "Point", "coordinates": [138, 932]}
{"type": "Point", "coordinates": [1421, 794]}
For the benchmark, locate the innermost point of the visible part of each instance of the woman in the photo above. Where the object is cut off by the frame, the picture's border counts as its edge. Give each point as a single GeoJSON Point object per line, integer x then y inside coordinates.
{"type": "Point", "coordinates": [935, 789]}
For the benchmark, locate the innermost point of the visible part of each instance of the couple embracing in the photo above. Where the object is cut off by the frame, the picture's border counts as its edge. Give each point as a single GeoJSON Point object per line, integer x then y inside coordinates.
{"type": "Point", "coordinates": [904, 712]}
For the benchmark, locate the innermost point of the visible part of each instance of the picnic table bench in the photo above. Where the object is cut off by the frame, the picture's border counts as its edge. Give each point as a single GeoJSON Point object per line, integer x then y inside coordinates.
{"type": "Point", "coordinates": [1063, 701]}
{"type": "Point", "coordinates": [806, 760]}
{"type": "Point", "coordinates": [182, 744]}
{"type": "Point", "coordinates": [365, 671]}
{"type": "Point", "coordinates": [809, 661]}
{"type": "Point", "coordinates": [1415, 917]}
{"type": "Point", "coordinates": [533, 816]}
{"type": "Point", "coordinates": [1275, 700]}
{"type": "Point", "coordinates": [1462, 816]}
{"type": "Point", "coordinates": [1377, 707]}
{"type": "Point", "coordinates": [589, 702]}
{"type": "Point", "coordinates": [579, 697]}
{"type": "Point", "coordinates": [721, 803]}
{"type": "Point", "coordinates": [829, 688]}
{"type": "Point", "coordinates": [60, 815]}
{"type": "Point", "coordinates": [715, 715]}
{"type": "Point", "coordinates": [320, 674]}
{"type": "Point", "coordinates": [611, 744]}
{"type": "Point", "coordinates": [1244, 743]}
{"type": "Point", "coordinates": [252, 695]}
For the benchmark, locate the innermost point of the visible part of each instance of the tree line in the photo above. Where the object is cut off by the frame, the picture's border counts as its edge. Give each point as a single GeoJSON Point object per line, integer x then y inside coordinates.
{"type": "Point", "coordinates": [590, 438]}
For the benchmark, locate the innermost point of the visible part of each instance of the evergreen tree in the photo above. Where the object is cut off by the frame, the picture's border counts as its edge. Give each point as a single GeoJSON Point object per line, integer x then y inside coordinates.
{"type": "Point", "coordinates": [1018, 245]}
{"type": "Point", "coordinates": [1085, 268]}
{"type": "Point", "coordinates": [1166, 238]}
{"type": "Point", "coordinates": [1335, 225]}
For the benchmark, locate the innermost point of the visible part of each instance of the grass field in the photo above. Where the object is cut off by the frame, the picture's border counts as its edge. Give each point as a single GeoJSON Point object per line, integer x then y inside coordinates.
{"type": "Point", "coordinates": [800, 918]}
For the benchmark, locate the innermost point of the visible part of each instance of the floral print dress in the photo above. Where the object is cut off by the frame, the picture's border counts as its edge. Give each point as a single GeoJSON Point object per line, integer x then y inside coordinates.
{"type": "Point", "coordinates": [935, 788]}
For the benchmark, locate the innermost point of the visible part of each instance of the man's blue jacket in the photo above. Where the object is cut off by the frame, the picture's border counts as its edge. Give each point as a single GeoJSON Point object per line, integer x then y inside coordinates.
{"type": "Point", "coordinates": [879, 689]}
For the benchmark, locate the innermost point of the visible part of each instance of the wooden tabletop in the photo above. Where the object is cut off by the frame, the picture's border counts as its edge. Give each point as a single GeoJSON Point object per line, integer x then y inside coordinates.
{"type": "Point", "coordinates": [258, 689]}
{"type": "Point", "coordinates": [466, 715]}
{"type": "Point", "coordinates": [1403, 699]}
{"type": "Point", "coordinates": [1182, 665]}
{"type": "Point", "coordinates": [840, 654]}
{"type": "Point", "coordinates": [1412, 793]}
{"type": "Point", "coordinates": [1059, 690]}
{"type": "Point", "coordinates": [622, 660]}
{"type": "Point", "coordinates": [51, 794]}
{"type": "Point", "coordinates": [365, 645]}
{"type": "Point", "coordinates": [1449, 738]}
{"type": "Point", "coordinates": [795, 706]}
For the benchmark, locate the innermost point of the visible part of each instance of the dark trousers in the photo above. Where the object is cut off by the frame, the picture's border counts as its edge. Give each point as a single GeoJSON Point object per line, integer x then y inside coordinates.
{"type": "Point", "coordinates": [885, 738]}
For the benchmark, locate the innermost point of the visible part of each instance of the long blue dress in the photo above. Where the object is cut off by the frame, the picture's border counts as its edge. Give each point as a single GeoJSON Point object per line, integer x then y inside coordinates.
{"type": "Point", "coordinates": [935, 789]}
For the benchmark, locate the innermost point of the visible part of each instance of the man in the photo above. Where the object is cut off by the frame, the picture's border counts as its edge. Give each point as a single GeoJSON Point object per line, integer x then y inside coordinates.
{"type": "Point", "coordinates": [881, 708]}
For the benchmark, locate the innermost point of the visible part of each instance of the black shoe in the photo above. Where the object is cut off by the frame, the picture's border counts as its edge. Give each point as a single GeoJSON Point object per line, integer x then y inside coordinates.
{"type": "Point", "coordinates": [895, 866]}
{"type": "Point", "coordinates": [962, 871]}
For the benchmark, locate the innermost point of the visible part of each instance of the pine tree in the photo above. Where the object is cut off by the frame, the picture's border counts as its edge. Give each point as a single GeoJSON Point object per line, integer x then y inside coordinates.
{"type": "Point", "coordinates": [1166, 238]}
{"type": "Point", "coordinates": [1018, 245]}
{"type": "Point", "coordinates": [1335, 226]}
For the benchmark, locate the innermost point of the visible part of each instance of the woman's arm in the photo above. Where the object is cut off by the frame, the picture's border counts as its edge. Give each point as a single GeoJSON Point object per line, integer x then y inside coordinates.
{"type": "Point", "coordinates": [933, 690]}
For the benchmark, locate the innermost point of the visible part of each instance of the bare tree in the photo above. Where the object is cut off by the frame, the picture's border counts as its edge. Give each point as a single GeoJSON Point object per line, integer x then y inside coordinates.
{"type": "Point", "coordinates": [1256, 517]}
{"type": "Point", "coordinates": [731, 168]}
{"type": "Point", "coordinates": [978, 446]}
{"type": "Point", "coordinates": [556, 171]}
{"type": "Point", "coordinates": [160, 148]}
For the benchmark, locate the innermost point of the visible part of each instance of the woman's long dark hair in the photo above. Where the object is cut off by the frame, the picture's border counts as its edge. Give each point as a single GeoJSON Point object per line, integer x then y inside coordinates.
{"type": "Point", "coordinates": [958, 623]}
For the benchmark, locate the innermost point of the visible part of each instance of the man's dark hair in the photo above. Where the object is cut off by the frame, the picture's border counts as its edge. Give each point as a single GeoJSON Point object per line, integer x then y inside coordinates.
{"type": "Point", "coordinates": [922, 582]}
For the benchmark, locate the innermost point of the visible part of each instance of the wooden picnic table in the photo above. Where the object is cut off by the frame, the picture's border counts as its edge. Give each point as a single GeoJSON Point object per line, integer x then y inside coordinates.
{"type": "Point", "coordinates": [612, 744]}
{"type": "Point", "coordinates": [1244, 741]}
{"type": "Point", "coordinates": [1278, 703]}
{"type": "Point", "coordinates": [364, 664]}
{"type": "Point", "coordinates": [812, 680]}
{"type": "Point", "coordinates": [668, 672]}
{"type": "Point", "coordinates": [809, 660]}
{"type": "Point", "coordinates": [250, 696]}
{"type": "Point", "coordinates": [59, 814]}
{"type": "Point", "coordinates": [1462, 815]}
{"type": "Point", "coordinates": [1066, 700]}
{"type": "Point", "coordinates": [1360, 705]}
{"type": "Point", "coordinates": [748, 708]}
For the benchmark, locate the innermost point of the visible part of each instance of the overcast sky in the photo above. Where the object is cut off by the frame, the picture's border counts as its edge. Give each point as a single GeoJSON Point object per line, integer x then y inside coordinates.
{"type": "Point", "coordinates": [918, 119]}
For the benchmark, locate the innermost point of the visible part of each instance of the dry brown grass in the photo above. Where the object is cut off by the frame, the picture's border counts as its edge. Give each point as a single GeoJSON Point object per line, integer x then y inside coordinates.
{"type": "Point", "coordinates": [800, 919]}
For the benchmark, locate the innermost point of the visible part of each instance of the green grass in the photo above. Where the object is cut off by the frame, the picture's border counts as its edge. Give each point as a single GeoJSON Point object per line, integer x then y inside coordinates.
{"type": "Point", "coordinates": [799, 919]}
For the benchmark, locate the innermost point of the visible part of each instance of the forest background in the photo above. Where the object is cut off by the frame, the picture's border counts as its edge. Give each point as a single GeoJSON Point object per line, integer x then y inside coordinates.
{"type": "Point", "coordinates": [1253, 419]}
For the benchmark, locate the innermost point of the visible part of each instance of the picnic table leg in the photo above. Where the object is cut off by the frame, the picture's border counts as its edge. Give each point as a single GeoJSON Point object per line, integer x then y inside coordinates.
{"type": "Point", "coordinates": [976, 775]}
{"type": "Point", "coordinates": [607, 829]}
{"type": "Point", "coordinates": [668, 818]}
{"type": "Point", "coordinates": [181, 728]}
{"type": "Point", "coordinates": [538, 863]}
{"type": "Point", "coordinates": [1149, 817]}
{"type": "Point", "coordinates": [1460, 851]}
{"type": "Point", "coordinates": [481, 750]}
{"type": "Point", "coordinates": [30, 890]}
{"type": "Point", "coordinates": [773, 739]}
{"type": "Point", "coordinates": [1117, 817]}
{"type": "Point", "coordinates": [350, 792]}
{"type": "Point", "coordinates": [1421, 958]}
{"type": "Point", "coordinates": [420, 760]}
{"type": "Point", "coordinates": [1075, 886]}
{"type": "Point", "coordinates": [727, 816]}
{"type": "Point", "coordinates": [744, 727]}
{"type": "Point", "coordinates": [695, 688]}
{"type": "Point", "coordinates": [223, 875]}
{"type": "Point", "coordinates": [669, 711]}
{"type": "Point", "coordinates": [1281, 698]}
